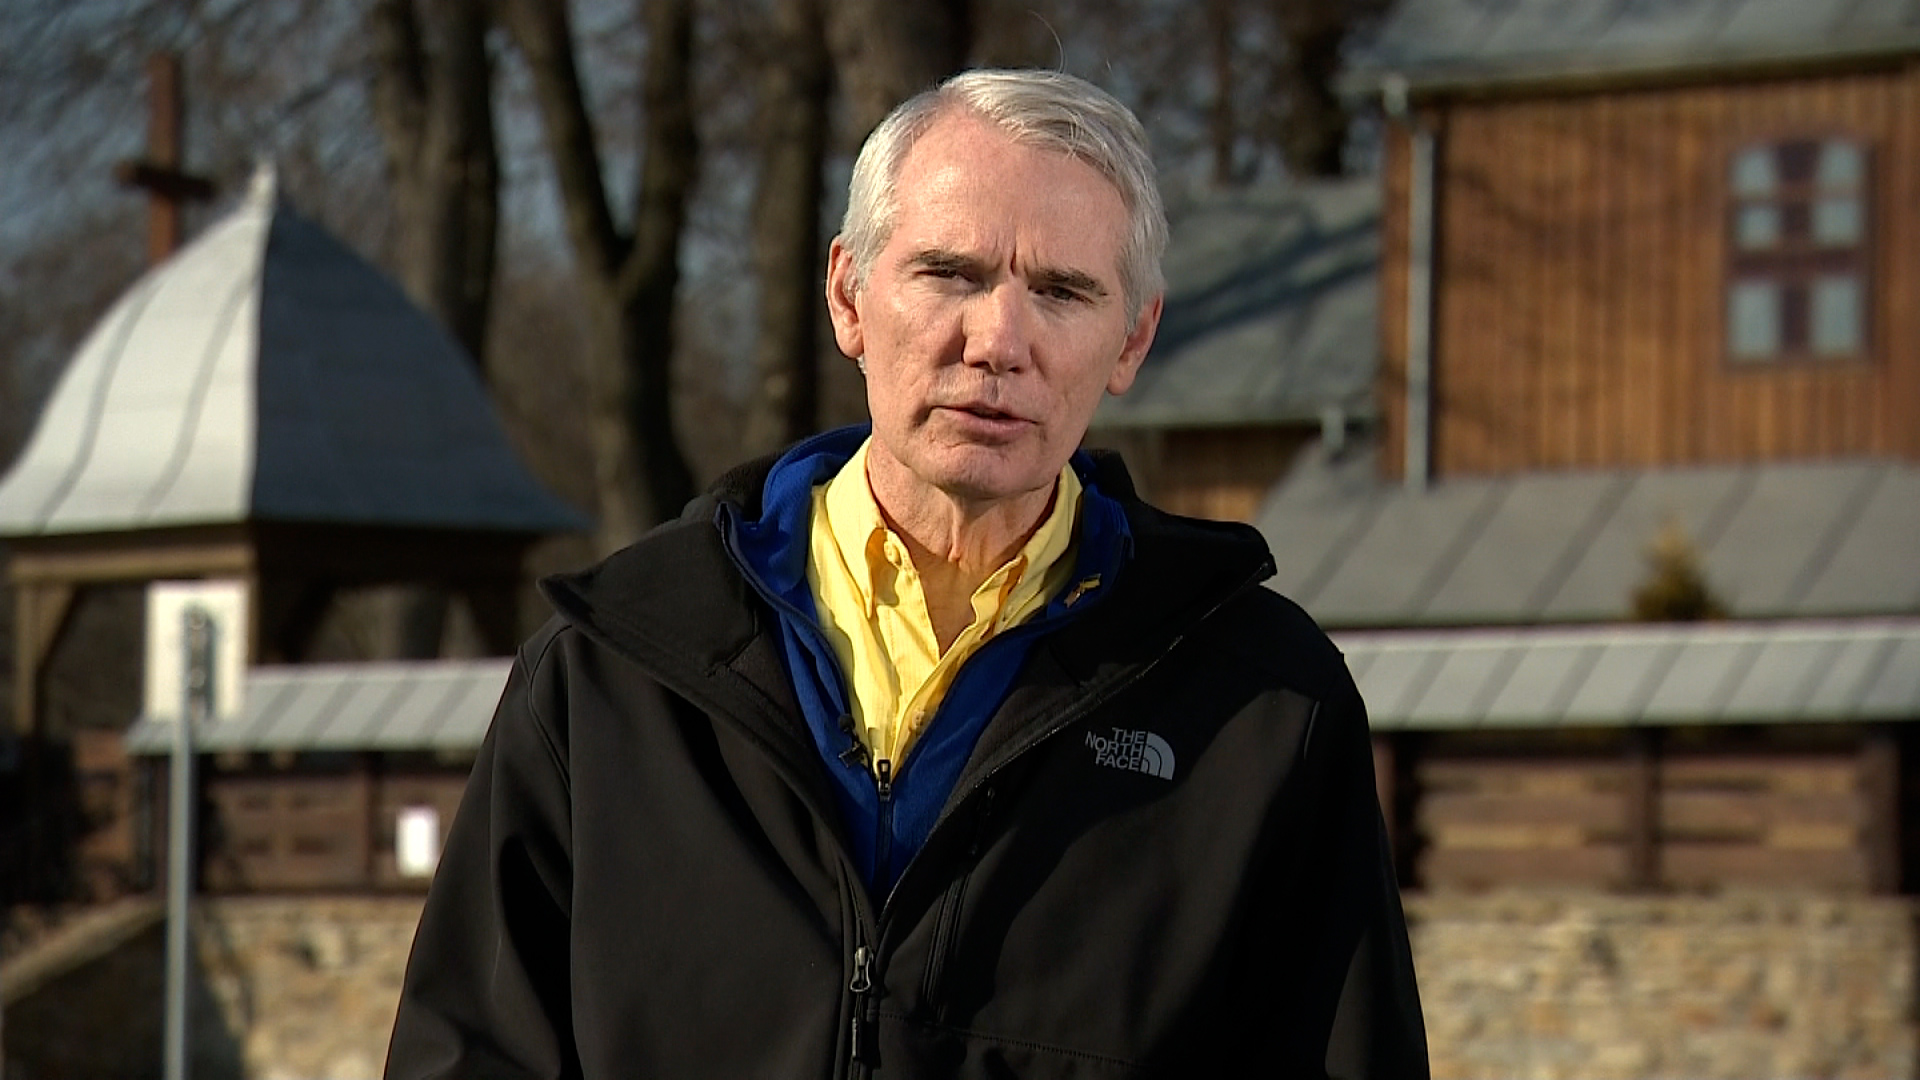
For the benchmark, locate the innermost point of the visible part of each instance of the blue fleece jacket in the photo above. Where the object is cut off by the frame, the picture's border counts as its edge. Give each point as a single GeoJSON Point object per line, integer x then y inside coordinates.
{"type": "Point", "coordinates": [772, 553]}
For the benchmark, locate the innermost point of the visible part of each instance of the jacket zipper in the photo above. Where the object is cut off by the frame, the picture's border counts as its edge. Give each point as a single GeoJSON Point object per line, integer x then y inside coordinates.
{"type": "Point", "coordinates": [865, 1007]}
{"type": "Point", "coordinates": [883, 842]}
{"type": "Point", "coordinates": [863, 1030]}
{"type": "Point", "coordinates": [946, 926]}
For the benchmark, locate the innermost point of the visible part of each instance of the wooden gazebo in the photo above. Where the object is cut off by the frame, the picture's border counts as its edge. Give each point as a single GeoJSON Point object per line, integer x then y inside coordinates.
{"type": "Point", "coordinates": [265, 407]}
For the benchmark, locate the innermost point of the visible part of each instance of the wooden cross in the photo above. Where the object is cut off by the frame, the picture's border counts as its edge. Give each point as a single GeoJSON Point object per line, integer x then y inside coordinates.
{"type": "Point", "coordinates": [169, 187]}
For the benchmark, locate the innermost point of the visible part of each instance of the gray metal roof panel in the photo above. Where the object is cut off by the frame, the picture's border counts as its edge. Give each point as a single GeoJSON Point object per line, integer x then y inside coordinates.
{"type": "Point", "coordinates": [1271, 310]}
{"type": "Point", "coordinates": [1876, 562]}
{"type": "Point", "coordinates": [1791, 671]}
{"type": "Point", "coordinates": [1539, 683]}
{"type": "Point", "coordinates": [1467, 42]}
{"type": "Point", "coordinates": [265, 372]}
{"type": "Point", "coordinates": [1386, 571]}
{"type": "Point", "coordinates": [1789, 540]}
{"type": "Point", "coordinates": [1456, 688]}
{"type": "Point", "coordinates": [1522, 547]}
{"type": "Point", "coordinates": [1703, 677]}
{"type": "Point", "coordinates": [1896, 684]}
{"type": "Point", "coordinates": [1783, 523]}
{"type": "Point", "coordinates": [425, 705]}
{"type": "Point", "coordinates": [1779, 683]}
{"type": "Point", "coordinates": [1599, 584]}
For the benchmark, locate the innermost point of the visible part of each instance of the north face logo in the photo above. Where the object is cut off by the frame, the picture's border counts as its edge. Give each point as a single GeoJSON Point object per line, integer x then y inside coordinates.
{"type": "Point", "coordinates": [1134, 751]}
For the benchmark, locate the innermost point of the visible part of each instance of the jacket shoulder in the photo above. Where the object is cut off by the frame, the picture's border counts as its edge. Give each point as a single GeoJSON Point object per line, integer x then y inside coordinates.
{"type": "Point", "coordinates": [1270, 632]}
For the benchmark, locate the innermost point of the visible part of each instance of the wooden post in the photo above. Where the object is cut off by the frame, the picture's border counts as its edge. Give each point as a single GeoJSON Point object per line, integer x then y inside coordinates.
{"type": "Point", "coordinates": [495, 606]}
{"type": "Point", "coordinates": [1384, 786]}
{"type": "Point", "coordinates": [1880, 793]}
{"type": "Point", "coordinates": [41, 610]}
{"type": "Point", "coordinates": [1642, 795]}
{"type": "Point", "coordinates": [159, 172]}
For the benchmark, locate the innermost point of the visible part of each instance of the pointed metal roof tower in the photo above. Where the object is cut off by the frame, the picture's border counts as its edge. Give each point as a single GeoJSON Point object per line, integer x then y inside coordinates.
{"type": "Point", "coordinates": [266, 406]}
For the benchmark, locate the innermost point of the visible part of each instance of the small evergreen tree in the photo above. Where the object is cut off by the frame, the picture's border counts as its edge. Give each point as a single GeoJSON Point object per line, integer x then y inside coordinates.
{"type": "Point", "coordinates": [1675, 589]}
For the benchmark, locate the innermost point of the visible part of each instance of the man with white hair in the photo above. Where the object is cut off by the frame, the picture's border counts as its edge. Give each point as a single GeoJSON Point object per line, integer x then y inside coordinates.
{"type": "Point", "coordinates": [930, 750]}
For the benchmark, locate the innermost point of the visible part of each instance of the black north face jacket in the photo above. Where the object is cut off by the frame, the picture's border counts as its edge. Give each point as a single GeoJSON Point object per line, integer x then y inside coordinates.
{"type": "Point", "coordinates": [1164, 857]}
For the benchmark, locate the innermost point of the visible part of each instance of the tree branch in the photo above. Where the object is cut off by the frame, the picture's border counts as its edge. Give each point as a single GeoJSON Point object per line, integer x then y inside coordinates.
{"type": "Point", "coordinates": [542, 32]}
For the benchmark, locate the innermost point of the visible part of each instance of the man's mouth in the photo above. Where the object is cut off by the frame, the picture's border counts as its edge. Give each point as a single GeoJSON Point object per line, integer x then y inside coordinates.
{"type": "Point", "coordinates": [985, 412]}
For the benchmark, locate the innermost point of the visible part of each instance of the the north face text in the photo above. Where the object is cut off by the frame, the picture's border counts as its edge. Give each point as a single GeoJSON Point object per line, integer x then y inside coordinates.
{"type": "Point", "coordinates": [1134, 751]}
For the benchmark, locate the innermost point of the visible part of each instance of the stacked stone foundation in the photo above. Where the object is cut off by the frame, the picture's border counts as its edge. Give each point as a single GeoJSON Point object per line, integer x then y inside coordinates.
{"type": "Point", "coordinates": [1518, 986]}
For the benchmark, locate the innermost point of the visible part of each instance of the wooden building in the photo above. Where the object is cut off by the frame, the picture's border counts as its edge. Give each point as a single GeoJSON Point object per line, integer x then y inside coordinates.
{"type": "Point", "coordinates": [1267, 341]}
{"type": "Point", "coordinates": [1643, 287]}
{"type": "Point", "coordinates": [263, 409]}
{"type": "Point", "coordinates": [1661, 235]}
{"type": "Point", "coordinates": [336, 777]}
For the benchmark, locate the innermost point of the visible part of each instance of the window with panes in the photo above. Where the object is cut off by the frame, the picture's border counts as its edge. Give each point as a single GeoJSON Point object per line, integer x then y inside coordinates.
{"type": "Point", "coordinates": [1797, 285]}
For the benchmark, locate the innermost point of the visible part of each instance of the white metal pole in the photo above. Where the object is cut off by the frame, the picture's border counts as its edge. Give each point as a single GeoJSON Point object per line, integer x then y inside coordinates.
{"type": "Point", "coordinates": [180, 796]}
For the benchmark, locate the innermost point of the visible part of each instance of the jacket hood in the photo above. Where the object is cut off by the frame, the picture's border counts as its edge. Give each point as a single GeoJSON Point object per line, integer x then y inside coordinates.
{"type": "Point", "coordinates": [678, 588]}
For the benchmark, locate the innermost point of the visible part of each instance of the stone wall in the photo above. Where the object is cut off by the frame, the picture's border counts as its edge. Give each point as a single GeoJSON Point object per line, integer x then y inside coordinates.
{"type": "Point", "coordinates": [308, 987]}
{"type": "Point", "coordinates": [1543, 987]}
{"type": "Point", "coordinates": [1517, 987]}
{"type": "Point", "coordinates": [284, 988]}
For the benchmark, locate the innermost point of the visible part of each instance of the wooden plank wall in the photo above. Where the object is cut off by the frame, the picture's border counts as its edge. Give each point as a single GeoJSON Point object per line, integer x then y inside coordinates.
{"type": "Point", "coordinates": [1222, 473]}
{"type": "Point", "coordinates": [1581, 280]}
{"type": "Point", "coordinates": [316, 823]}
{"type": "Point", "coordinates": [1710, 815]}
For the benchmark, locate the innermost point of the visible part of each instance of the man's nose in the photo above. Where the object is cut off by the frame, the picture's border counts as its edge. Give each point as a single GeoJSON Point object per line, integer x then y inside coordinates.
{"type": "Point", "coordinates": [998, 334]}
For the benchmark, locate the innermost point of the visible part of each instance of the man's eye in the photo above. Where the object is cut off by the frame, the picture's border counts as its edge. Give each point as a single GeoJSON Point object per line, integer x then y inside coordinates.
{"type": "Point", "coordinates": [1061, 293]}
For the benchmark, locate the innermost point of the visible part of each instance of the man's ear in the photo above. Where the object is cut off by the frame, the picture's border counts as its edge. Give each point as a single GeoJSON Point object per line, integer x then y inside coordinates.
{"type": "Point", "coordinates": [842, 292]}
{"type": "Point", "coordinates": [1134, 352]}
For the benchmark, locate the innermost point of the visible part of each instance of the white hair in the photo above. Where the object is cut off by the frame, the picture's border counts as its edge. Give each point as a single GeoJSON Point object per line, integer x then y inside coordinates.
{"type": "Point", "coordinates": [1050, 110]}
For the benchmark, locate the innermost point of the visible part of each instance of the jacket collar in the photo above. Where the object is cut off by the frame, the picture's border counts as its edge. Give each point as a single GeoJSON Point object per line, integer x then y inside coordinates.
{"type": "Point", "coordinates": [676, 601]}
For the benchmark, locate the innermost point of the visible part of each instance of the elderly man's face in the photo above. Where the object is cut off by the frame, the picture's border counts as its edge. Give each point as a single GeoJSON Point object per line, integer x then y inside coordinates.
{"type": "Point", "coordinates": [993, 320]}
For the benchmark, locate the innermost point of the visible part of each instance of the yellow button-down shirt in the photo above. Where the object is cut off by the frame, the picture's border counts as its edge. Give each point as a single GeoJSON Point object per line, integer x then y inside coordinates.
{"type": "Point", "coordinates": [871, 603]}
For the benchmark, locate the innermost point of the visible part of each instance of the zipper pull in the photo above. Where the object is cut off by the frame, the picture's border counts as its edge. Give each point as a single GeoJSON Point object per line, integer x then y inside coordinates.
{"type": "Point", "coordinates": [884, 785]}
{"type": "Point", "coordinates": [862, 1031]}
{"type": "Point", "coordinates": [856, 751]}
{"type": "Point", "coordinates": [862, 970]}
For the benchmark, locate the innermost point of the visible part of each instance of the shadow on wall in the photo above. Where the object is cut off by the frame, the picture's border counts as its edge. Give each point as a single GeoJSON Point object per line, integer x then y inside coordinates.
{"type": "Point", "coordinates": [99, 1015]}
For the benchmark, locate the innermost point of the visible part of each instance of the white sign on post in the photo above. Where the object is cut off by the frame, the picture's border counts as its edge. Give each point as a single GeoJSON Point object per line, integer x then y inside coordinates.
{"type": "Point", "coordinates": [225, 604]}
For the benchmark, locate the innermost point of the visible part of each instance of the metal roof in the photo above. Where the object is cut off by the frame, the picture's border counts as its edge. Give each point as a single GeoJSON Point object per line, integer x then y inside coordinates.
{"type": "Point", "coordinates": [1525, 677]}
{"type": "Point", "coordinates": [392, 705]}
{"type": "Point", "coordinates": [1440, 43]}
{"type": "Point", "coordinates": [265, 372]}
{"type": "Point", "coordinates": [1779, 540]}
{"type": "Point", "coordinates": [1638, 674]}
{"type": "Point", "coordinates": [1271, 313]}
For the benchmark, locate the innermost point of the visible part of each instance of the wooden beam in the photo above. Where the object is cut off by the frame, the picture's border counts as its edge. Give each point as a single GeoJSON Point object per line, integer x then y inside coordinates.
{"type": "Point", "coordinates": [131, 557]}
{"type": "Point", "coordinates": [1642, 795]}
{"type": "Point", "coordinates": [41, 613]}
{"type": "Point", "coordinates": [1880, 838]}
{"type": "Point", "coordinates": [168, 186]}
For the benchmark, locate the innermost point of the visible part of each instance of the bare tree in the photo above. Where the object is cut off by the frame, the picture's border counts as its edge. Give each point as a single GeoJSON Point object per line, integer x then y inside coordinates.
{"type": "Point", "coordinates": [432, 101]}
{"type": "Point", "coordinates": [629, 277]}
{"type": "Point", "coordinates": [885, 51]}
{"type": "Point", "coordinates": [1309, 122]}
{"type": "Point", "coordinates": [794, 95]}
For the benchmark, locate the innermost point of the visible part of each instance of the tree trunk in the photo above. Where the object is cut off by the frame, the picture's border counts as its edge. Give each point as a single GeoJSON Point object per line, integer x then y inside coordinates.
{"type": "Point", "coordinates": [1223, 127]}
{"type": "Point", "coordinates": [630, 280]}
{"type": "Point", "coordinates": [432, 101]}
{"type": "Point", "coordinates": [788, 260]}
{"type": "Point", "coordinates": [1313, 125]}
{"type": "Point", "coordinates": [885, 51]}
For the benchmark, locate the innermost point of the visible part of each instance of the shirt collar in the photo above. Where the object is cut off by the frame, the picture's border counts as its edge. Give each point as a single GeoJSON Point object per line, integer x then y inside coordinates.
{"type": "Point", "coordinates": [865, 543]}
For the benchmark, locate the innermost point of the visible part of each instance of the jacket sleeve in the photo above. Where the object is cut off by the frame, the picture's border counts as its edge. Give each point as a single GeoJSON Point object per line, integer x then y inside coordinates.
{"type": "Point", "coordinates": [1352, 1003]}
{"type": "Point", "coordinates": [486, 989]}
